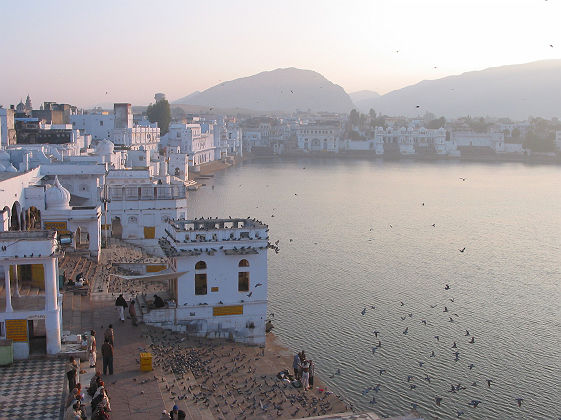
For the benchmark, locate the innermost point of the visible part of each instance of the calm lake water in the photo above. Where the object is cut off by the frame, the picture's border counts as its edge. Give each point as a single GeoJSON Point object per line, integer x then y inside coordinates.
{"type": "Point", "coordinates": [362, 237]}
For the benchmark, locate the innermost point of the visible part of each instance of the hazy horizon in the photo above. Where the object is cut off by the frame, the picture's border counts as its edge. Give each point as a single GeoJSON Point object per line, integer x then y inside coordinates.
{"type": "Point", "coordinates": [103, 52]}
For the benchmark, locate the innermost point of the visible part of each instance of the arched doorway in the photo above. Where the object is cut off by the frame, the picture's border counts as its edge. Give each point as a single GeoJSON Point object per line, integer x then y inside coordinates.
{"type": "Point", "coordinates": [15, 217]}
{"type": "Point", "coordinates": [116, 228]}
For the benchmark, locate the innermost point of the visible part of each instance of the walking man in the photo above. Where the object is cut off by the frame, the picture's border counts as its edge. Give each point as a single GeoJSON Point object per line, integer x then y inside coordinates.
{"type": "Point", "coordinates": [121, 304]}
{"type": "Point", "coordinates": [107, 353]}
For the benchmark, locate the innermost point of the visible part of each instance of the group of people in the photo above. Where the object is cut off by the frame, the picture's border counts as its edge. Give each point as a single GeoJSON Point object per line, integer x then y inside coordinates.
{"type": "Point", "coordinates": [303, 370]}
{"type": "Point", "coordinates": [75, 407]}
{"type": "Point", "coordinates": [121, 305]}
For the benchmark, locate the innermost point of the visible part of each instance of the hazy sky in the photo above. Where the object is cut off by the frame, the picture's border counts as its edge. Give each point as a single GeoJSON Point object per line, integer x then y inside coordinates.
{"type": "Point", "coordinates": [75, 51]}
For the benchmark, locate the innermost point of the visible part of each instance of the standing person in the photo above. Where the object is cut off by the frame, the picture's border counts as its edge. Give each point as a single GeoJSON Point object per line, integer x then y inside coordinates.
{"type": "Point", "coordinates": [132, 312]}
{"type": "Point", "coordinates": [305, 375]}
{"type": "Point", "coordinates": [121, 304]}
{"type": "Point", "coordinates": [72, 369]}
{"type": "Point", "coordinates": [311, 379]}
{"type": "Point", "coordinates": [107, 353]}
{"type": "Point", "coordinates": [110, 334]}
{"type": "Point", "coordinates": [92, 349]}
{"type": "Point", "coordinates": [296, 366]}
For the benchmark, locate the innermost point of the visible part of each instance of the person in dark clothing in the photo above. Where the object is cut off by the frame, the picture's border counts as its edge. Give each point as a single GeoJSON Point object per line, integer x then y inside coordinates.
{"type": "Point", "coordinates": [72, 369]}
{"type": "Point", "coordinates": [107, 353]}
{"type": "Point", "coordinates": [158, 302]}
{"type": "Point", "coordinates": [121, 304]}
{"type": "Point", "coordinates": [177, 414]}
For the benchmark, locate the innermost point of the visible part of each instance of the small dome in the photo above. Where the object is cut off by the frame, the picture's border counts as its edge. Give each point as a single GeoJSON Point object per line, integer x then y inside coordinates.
{"type": "Point", "coordinates": [57, 197]}
{"type": "Point", "coordinates": [104, 147]}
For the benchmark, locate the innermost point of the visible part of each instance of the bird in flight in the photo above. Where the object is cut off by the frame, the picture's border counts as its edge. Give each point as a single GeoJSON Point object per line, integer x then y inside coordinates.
{"type": "Point", "coordinates": [519, 401]}
{"type": "Point", "coordinates": [463, 179]}
{"type": "Point", "coordinates": [417, 106]}
{"type": "Point", "coordinates": [474, 403]}
{"type": "Point", "coordinates": [462, 250]}
{"type": "Point", "coordinates": [363, 311]}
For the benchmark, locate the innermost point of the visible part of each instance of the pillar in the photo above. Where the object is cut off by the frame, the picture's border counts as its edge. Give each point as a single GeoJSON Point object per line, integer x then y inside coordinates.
{"type": "Point", "coordinates": [52, 327]}
{"type": "Point", "coordinates": [16, 281]}
{"type": "Point", "coordinates": [7, 287]}
{"type": "Point", "coordinates": [51, 283]}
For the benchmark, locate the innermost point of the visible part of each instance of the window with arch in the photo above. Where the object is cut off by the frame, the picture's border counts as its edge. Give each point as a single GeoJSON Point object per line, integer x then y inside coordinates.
{"type": "Point", "coordinates": [243, 277]}
{"type": "Point", "coordinates": [200, 279]}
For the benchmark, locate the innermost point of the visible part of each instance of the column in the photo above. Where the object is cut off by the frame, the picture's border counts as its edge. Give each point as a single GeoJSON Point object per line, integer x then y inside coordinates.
{"type": "Point", "coordinates": [52, 327]}
{"type": "Point", "coordinates": [50, 285]}
{"type": "Point", "coordinates": [16, 281]}
{"type": "Point", "coordinates": [7, 287]}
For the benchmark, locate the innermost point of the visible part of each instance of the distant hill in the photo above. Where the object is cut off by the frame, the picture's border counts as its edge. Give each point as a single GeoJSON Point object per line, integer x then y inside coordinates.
{"type": "Point", "coordinates": [515, 91]}
{"type": "Point", "coordinates": [284, 90]}
{"type": "Point", "coordinates": [363, 98]}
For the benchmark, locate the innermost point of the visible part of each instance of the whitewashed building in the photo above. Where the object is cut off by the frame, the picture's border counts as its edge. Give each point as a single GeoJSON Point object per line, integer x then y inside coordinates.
{"type": "Point", "coordinates": [316, 137]}
{"type": "Point", "coordinates": [221, 284]}
{"type": "Point", "coordinates": [97, 124]}
{"type": "Point", "coordinates": [195, 140]}
{"type": "Point", "coordinates": [23, 319]}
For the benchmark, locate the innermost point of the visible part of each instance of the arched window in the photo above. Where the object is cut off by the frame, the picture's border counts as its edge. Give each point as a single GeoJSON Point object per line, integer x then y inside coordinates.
{"type": "Point", "coordinates": [243, 277]}
{"type": "Point", "coordinates": [200, 279]}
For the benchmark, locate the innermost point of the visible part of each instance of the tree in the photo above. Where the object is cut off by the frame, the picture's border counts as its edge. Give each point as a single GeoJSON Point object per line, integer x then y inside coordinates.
{"type": "Point", "coordinates": [372, 114]}
{"type": "Point", "coordinates": [437, 123]}
{"type": "Point", "coordinates": [160, 113]}
{"type": "Point", "coordinates": [354, 117]}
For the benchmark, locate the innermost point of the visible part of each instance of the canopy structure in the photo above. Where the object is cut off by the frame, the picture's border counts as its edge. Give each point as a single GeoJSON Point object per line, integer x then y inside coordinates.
{"type": "Point", "coordinates": [167, 275]}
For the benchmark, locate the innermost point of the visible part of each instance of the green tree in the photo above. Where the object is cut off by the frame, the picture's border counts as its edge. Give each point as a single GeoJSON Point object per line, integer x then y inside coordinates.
{"type": "Point", "coordinates": [354, 117]}
{"type": "Point", "coordinates": [437, 123]}
{"type": "Point", "coordinates": [160, 113]}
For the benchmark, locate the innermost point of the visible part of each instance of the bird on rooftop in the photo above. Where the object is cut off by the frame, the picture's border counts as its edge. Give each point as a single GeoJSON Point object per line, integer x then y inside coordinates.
{"type": "Point", "coordinates": [406, 331]}
{"type": "Point", "coordinates": [434, 225]}
{"type": "Point", "coordinates": [437, 337]}
{"type": "Point", "coordinates": [489, 382]}
{"type": "Point", "coordinates": [376, 333]}
{"type": "Point", "coordinates": [471, 366]}
{"type": "Point", "coordinates": [447, 287]}
{"type": "Point", "coordinates": [463, 179]}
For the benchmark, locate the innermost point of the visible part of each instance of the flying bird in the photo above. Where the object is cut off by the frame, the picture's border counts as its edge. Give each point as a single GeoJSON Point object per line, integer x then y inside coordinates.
{"type": "Point", "coordinates": [519, 401]}
{"type": "Point", "coordinates": [363, 311]}
{"type": "Point", "coordinates": [462, 250]}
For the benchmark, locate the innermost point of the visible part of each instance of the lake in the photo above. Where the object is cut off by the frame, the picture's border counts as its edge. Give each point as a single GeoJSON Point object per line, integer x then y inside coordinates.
{"type": "Point", "coordinates": [359, 234]}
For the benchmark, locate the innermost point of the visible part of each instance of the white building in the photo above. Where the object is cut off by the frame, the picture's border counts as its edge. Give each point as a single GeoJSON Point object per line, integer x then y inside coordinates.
{"type": "Point", "coordinates": [24, 318]}
{"type": "Point", "coordinates": [558, 140]}
{"type": "Point", "coordinates": [472, 141]}
{"type": "Point", "coordinates": [316, 137]}
{"type": "Point", "coordinates": [139, 205]}
{"type": "Point", "coordinates": [196, 140]}
{"type": "Point", "coordinates": [97, 124]}
{"type": "Point", "coordinates": [221, 288]}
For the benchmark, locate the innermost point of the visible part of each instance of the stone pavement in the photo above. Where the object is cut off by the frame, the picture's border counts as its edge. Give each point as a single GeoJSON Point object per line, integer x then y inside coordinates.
{"type": "Point", "coordinates": [130, 398]}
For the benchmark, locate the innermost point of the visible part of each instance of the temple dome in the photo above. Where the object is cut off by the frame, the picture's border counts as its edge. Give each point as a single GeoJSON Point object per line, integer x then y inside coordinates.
{"type": "Point", "coordinates": [57, 197]}
{"type": "Point", "coordinates": [104, 147]}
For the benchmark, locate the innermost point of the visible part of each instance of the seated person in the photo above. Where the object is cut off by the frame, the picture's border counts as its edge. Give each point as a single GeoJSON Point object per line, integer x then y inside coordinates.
{"type": "Point", "coordinates": [158, 302]}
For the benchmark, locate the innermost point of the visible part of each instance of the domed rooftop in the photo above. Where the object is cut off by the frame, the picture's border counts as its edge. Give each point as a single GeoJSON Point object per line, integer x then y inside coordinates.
{"type": "Point", "coordinates": [104, 147]}
{"type": "Point", "coordinates": [57, 197]}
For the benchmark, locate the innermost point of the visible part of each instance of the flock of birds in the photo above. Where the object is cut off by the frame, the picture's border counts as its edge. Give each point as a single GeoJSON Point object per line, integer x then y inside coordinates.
{"type": "Point", "coordinates": [225, 379]}
{"type": "Point", "coordinates": [414, 381]}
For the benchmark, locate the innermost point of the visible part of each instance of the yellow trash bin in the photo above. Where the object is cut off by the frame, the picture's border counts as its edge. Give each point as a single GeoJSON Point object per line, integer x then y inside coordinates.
{"type": "Point", "coordinates": [146, 362]}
